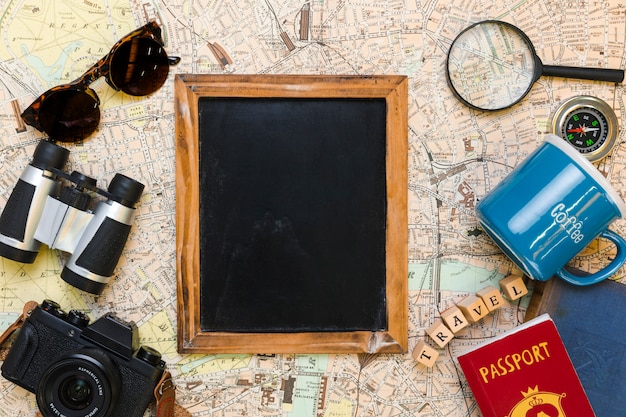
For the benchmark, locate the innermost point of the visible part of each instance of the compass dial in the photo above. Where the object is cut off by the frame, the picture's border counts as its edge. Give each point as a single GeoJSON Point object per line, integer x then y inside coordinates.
{"type": "Point", "coordinates": [588, 124]}
{"type": "Point", "coordinates": [585, 128]}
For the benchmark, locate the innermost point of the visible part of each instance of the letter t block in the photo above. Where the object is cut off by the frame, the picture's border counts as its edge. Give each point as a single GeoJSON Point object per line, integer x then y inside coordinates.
{"type": "Point", "coordinates": [425, 354]}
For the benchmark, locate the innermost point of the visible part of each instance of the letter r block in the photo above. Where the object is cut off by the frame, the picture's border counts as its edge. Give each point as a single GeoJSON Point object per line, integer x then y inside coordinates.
{"type": "Point", "coordinates": [513, 287]}
{"type": "Point", "coordinates": [425, 354]}
{"type": "Point", "coordinates": [473, 308]}
{"type": "Point", "coordinates": [492, 297]}
{"type": "Point", "coordinates": [440, 333]}
{"type": "Point", "coordinates": [454, 319]}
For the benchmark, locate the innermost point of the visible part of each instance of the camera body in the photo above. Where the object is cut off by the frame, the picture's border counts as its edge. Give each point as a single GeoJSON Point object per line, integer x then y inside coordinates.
{"type": "Point", "coordinates": [42, 208]}
{"type": "Point", "coordinates": [79, 369]}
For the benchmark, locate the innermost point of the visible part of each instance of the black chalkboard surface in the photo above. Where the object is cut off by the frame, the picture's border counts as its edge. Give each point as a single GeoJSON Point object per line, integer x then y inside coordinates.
{"type": "Point", "coordinates": [293, 214]}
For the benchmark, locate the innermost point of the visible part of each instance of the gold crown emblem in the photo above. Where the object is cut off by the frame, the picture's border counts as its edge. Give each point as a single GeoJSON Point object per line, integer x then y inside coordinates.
{"type": "Point", "coordinates": [531, 392]}
{"type": "Point", "coordinates": [535, 402]}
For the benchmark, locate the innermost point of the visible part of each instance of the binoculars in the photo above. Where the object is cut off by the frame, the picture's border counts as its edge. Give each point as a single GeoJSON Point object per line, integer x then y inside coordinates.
{"type": "Point", "coordinates": [53, 207]}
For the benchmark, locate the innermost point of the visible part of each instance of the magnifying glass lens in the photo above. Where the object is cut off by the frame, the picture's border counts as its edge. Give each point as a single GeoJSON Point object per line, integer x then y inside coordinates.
{"type": "Point", "coordinates": [491, 65]}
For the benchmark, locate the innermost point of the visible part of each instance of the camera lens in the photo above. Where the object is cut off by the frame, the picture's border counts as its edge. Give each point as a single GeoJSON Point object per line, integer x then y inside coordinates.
{"type": "Point", "coordinates": [76, 393]}
{"type": "Point", "coordinates": [82, 383]}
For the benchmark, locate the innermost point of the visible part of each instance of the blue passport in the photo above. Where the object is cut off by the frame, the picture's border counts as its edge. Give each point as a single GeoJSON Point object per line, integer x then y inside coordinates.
{"type": "Point", "coordinates": [592, 324]}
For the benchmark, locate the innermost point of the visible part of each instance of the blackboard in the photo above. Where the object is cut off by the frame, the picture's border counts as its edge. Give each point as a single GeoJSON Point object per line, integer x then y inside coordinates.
{"type": "Point", "coordinates": [288, 195]}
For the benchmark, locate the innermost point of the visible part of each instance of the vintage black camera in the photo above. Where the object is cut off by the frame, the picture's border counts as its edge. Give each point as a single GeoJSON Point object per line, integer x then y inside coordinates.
{"type": "Point", "coordinates": [50, 206]}
{"type": "Point", "coordinates": [79, 369]}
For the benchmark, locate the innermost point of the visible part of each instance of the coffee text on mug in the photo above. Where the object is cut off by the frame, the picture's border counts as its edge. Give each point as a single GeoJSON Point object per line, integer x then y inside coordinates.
{"type": "Point", "coordinates": [570, 224]}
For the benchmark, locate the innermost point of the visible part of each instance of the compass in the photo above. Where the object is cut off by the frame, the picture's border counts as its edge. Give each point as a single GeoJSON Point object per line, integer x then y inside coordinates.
{"type": "Point", "coordinates": [587, 123]}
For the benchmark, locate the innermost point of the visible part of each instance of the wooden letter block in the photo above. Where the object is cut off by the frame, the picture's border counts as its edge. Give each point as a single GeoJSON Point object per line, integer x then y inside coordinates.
{"type": "Point", "coordinates": [425, 354]}
{"type": "Point", "coordinates": [473, 308]}
{"type": "Point", "coordinates": [454, 319]}
{"type": "Point", "coordinates": [492, 297]}
{"type": "Point", "coordinates": [440, 333]}
{"type": "Point", "coordinates": [513, 287]}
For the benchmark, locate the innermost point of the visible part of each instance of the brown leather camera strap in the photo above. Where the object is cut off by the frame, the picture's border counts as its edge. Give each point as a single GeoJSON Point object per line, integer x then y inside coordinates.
{"type": "Point", "coordinates": [28, 308]}
{"type": "Point", "coordinates": [178, 412]}
{"type": "Point", "coordinates": [164, 392]}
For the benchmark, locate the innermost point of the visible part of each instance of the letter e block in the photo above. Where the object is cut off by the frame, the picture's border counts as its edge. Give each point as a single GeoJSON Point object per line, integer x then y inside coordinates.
{"type": "Point", "coordinates": [425, 354]}
{"type": "Point", "coordinates": [440, 333]}
{"type": "Point", "coordinates": [513, 287]}
{"type": "Point", "coordinates": [473, 308]}
{"type": "Point", "coordinates": [492, 297]}
{"type": "Point", "coordinates": [454, 319]}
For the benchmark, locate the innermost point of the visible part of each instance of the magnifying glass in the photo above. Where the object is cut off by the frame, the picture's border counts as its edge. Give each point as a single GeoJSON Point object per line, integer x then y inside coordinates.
{"type": "Point", "coordinates": [492, 65]}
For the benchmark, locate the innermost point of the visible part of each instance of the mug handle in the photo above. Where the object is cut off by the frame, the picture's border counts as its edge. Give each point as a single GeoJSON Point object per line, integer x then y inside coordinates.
{"type": "Point", "coordinates": [610, 269]}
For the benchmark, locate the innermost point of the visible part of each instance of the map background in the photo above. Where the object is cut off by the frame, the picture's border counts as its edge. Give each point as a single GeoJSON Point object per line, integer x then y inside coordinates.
{"type": "Point", "coordinates": [456, 155]}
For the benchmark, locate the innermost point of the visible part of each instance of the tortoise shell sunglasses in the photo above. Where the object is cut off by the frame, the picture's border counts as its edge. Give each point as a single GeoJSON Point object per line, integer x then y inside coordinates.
{"type": "Point", "coordinates": [137, 64]}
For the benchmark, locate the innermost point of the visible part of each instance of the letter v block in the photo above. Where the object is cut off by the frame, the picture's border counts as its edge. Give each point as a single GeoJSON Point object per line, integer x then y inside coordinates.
{"type": "Point", "coordinates": [425, 354]}
{"type": "Point", "coordinates": [440, 333]}
{"type": "Point", "coordinates": [492, 297]}
{"type": "Point", "coordinates": [454, 319]}
{"type": "Point", "coordinates": [473, 308]}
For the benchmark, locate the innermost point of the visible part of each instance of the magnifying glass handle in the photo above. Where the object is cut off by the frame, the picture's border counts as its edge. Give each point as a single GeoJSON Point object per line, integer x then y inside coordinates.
{"type": "Point", "coordinates": [596, 74]}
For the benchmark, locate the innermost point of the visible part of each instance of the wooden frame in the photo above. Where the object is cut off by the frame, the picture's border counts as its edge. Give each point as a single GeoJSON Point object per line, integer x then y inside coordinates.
{"type": "Point", "coordinates": [189, 89]}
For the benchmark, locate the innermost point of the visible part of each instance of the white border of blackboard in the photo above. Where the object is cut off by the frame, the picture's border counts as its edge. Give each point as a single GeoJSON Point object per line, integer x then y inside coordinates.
{"type": "Point", "coordinates": [189, 89]}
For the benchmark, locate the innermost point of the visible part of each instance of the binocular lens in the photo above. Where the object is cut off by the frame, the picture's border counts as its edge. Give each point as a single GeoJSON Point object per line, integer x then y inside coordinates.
{"type": "Point", "coordinates": [49, 155]}
{"type": "Point", "coordinates": [124, 190]}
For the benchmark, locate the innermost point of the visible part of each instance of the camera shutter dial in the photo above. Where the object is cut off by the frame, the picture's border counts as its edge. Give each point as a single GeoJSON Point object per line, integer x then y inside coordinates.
{"type": "Point", "coordinates": [78, 318]}
{"type": "Point", "coordinates": [149, 355]}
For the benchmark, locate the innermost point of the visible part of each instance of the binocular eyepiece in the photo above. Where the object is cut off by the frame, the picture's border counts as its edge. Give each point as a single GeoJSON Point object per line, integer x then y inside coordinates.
{"type": "Point", "coordinates": [52, 207]}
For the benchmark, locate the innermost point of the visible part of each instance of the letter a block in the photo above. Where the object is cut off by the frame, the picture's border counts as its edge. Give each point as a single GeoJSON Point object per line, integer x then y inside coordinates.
{"type": "Point", "coordinates": [492, 297]}
{"type": "Point", "coordinates": [454, 319]}
{"type": "Point", "coordinates": [440, 333]}
{"type": "Point", "coordinates": [513, 287]}
{"type": "Point", "coordinates": [473, 308]}
{"type": "Point", "coordinates": [425, 354]}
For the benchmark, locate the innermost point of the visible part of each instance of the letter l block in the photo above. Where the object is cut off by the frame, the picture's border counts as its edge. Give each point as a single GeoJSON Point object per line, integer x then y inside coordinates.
{"type": "Point", "coordinates": [513, 287]}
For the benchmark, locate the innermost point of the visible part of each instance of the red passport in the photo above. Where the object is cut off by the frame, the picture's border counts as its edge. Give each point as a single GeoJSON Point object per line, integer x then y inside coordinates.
{"type": "Point", "coordinates": [525, 372]}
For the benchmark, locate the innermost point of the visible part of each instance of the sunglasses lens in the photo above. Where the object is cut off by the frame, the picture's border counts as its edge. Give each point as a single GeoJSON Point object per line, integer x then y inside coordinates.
{"type": "Point", "coordinates": [139, 66]}
{"type": "Point", "coordinates": [69, 115]}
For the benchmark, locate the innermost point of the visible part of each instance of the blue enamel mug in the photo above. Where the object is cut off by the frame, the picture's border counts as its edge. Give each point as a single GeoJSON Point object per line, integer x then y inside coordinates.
{"type": "Point", "coordinates": [549, 208]}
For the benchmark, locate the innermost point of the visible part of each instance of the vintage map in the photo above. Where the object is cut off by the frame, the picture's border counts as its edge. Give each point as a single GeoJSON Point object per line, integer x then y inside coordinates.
{"type": "Point", "coordinates": [456, 155]}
